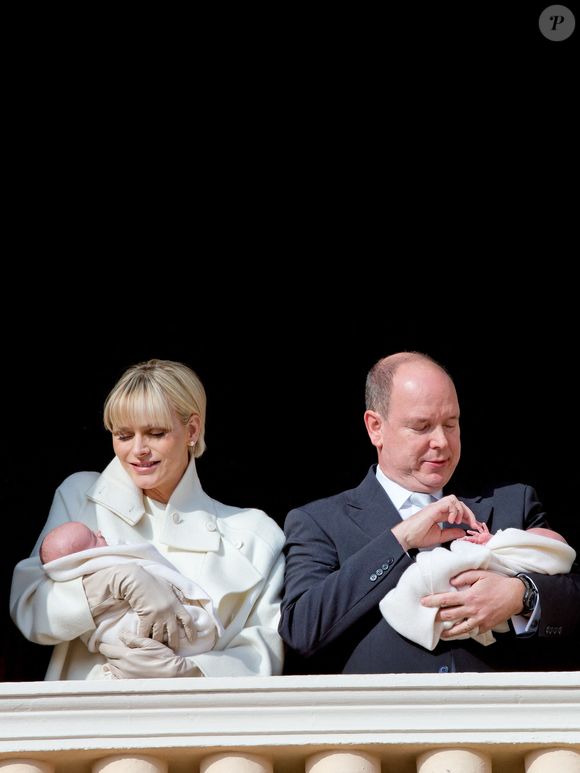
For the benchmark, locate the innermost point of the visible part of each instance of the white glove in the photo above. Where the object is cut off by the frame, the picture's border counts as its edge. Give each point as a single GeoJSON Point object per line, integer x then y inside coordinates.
{"type": "Point", "coordinates": [144, 658]}
{"type": "Point", "coordinates": [160, 613]}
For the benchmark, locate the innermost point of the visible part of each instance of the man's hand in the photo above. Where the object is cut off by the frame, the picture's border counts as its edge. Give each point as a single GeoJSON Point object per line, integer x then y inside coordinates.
{"type": "Point", "coordinates": [483, 601]}
{"type": "Point", "coordinates": [160, 613]}
{"type": "Point", "coordinates": [145, 658]}
{"type": "Point", "coordinates": [422, 530]}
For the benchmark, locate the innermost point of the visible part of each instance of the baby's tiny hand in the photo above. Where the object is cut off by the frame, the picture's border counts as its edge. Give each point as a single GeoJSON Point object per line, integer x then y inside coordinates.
{"type": "Point", "coordinates": [479, 536]}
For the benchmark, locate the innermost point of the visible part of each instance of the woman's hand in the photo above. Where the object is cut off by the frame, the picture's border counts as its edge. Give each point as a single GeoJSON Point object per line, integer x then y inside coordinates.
{"type": "Point", "coordinates": [144, 658]}
{"type": "Point", "coordinates": [161, 615]}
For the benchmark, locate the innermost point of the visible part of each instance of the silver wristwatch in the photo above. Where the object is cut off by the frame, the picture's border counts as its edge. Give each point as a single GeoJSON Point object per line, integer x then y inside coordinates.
{"type": "Point", "coordinates": [530, 597]}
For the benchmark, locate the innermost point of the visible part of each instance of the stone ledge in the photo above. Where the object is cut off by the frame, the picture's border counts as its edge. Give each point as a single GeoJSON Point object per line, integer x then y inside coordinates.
{"type": "Point", "coordinates": [313, 711]}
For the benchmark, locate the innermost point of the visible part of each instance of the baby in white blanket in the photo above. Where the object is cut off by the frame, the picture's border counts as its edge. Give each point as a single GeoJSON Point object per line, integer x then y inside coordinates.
{"type": "Point", "coordinates": [507, 552]}
{"type": "Point", "coordinates": [73, 550]}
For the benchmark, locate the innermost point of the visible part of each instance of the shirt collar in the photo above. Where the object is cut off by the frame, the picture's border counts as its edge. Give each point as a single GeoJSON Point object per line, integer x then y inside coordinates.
{"type": "Point", "coordinates": [396, 493]}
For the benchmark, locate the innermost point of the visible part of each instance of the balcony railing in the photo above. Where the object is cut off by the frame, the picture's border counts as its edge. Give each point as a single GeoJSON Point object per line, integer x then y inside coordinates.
{"type": "Point", "coordinates": [462, 723]}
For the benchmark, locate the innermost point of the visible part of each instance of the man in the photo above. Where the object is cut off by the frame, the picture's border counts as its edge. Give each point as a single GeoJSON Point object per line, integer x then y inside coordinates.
{"type": "Point", "coordinates": [346, 552]}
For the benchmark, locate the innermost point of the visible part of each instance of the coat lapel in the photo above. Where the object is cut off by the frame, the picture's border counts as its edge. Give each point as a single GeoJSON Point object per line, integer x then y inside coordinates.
{"type": "Point", "coordinates": [190, 516]}
{"type": "Point", "coordinates": [481, 507]}
{"type": "Point", "coordinates": [370, 507]}
{"type": "Point", "coordinates": [115, 490]}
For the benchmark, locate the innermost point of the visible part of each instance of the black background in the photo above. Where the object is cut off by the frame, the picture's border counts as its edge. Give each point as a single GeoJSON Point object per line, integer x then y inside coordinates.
{"type": "Point", "coordinates": [278, 204]}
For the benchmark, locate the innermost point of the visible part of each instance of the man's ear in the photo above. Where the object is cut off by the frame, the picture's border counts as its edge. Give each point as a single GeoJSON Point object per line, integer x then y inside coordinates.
{"type": "Point", "coordinates": [374, 425]}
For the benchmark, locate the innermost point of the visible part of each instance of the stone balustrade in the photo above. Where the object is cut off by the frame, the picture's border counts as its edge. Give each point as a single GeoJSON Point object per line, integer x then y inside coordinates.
{"type": "Point", "coordinates": [389, 723]}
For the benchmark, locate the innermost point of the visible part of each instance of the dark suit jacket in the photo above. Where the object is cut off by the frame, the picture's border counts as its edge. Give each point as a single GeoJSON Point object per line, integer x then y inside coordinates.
{"type": "Point", "coordinates": [342, 559]}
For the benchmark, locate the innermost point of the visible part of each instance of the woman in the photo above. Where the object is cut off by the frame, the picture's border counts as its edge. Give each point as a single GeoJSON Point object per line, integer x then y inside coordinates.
{"type": "Point", "coordinates": [151, 492]}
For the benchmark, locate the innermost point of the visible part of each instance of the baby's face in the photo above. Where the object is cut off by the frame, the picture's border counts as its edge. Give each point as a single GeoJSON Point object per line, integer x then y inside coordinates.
{"type": "Point", "coordinates": [80, 537]}
{"type": "Point", "coordinates": [94, 540]}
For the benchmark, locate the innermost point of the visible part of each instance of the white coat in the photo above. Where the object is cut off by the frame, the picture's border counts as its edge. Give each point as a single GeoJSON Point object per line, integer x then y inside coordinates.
{"type": "Point", "coordinates": [234, 554]}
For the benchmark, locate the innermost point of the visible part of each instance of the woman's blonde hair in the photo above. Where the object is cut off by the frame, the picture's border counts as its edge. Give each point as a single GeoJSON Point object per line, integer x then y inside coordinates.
{"type": "Point", "coordinates": [146, 394]}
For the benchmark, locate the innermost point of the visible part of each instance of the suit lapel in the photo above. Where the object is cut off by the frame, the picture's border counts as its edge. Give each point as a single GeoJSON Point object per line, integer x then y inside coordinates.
{"type": "Point", "coordinates": [373, 512]}
{"type": "Point", "coordinates": [370, 507]}
{"type": "Point", "coordinates": [481, 508]}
